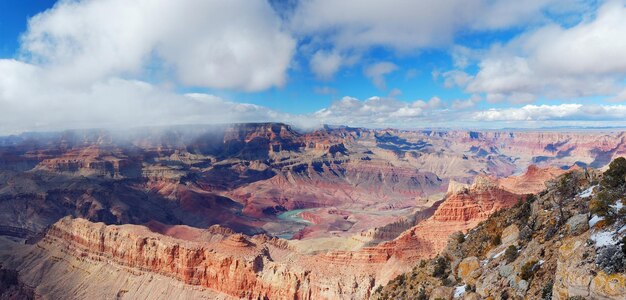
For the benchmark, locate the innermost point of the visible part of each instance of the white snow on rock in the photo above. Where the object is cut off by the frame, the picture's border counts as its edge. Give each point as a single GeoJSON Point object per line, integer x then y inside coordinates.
{"type": "Point", "coordinates": [617, 206]}
{"type": "Point", "coordinates": [594, 220]}
{"type": "Point", "coordinates": [603, 238]}
{"type": "Point", "coordinates": [587, 193]}
{"type": "Point", "coordinates": [459, 291]}
{"type": "Point", "coordinates": [498, 254]}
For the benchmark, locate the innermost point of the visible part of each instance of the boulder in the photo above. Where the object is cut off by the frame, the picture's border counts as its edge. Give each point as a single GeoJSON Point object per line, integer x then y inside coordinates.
{"type": "Point", "coordinates": [442, 292]}
{"type": "Point", "coordinates": [466, 267]}
{"type": "Point", "coordinates": [510, 235]}
{"type": "Point", "coordinates": [471, 296]}
{"type": "Point", "coordinates": [505, 270]}
{"type": "Point", "coordinates": [577, 224]}
{"type": "Point", "coordinates": [605, 286]}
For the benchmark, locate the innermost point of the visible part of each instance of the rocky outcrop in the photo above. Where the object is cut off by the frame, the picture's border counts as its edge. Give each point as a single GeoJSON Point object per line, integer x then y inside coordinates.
{"type": "Point", "coordinates": [94, 161]}
{"type": "Point", "coordinates": [522, 252]}
{"type": "Point", "coordinates": [481, 199]}
{"type": "Point", "coordinates": [256, 267]}
{"type": "Point", "coordinates": [574, 276]}
{"type": "Point", "coordinates": [532, 181]}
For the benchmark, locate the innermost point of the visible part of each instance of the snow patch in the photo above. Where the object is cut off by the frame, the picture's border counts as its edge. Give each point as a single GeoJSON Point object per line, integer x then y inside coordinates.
{"type": "Point", "coordinates": [587, 193]}
{"type": "Point", "coordinates": [498, 254]}
{"type": "Point", "coordinates": [603, 238]}
{"type": "Point", "coordinates": [459, 291]}
{"type": "Point", "coordinates": [617, 206]}
{"type": "Point", "coordinates": [541, 261]}
{"type": "Point", "coordinates": [594, 220]}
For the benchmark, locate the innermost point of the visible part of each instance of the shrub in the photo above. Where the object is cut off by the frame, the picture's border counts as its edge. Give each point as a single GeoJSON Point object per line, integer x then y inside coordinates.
{"type": "Point", "coordinates": [510, 254]}
{"type": "Point", "coordinates": [528, 270]}
{"type": "Point", "coordinates": [601, 204]}
{"type": "Point", "coordinates": [379, 289]}
{"type": "Point", "coordinates": [550, 232]}
{"type": "Point", "coordinates": [546, 291]}
{"type": "Point", "coordinates": [523, 212]}
{"type": "Point", "coordinates": [526, 234]}
{"type": "Point", "coordinates": [441, 267]}
{"type": "Point", "coordinates": [567, 186]}
{"type": "Point", "coordinates": [422, 294]}
{"type": "Point", "coordinates": [611, 259]}
{"type": "Point", "coordinates": [496, 240]}
{"type": "Point", "coordinates": [504, 295]}
{"type": "Point", "coordinates": [460, 238]}
{"type": "Point", "coordinates": [399, 280]}
{"type": "Point", "coordinates": [422, 263]}
{"type": "Point", "coordinates": [615, 176]}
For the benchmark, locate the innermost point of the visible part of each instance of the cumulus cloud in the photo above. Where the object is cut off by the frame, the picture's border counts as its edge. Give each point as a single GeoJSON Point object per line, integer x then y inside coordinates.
{"type": "Point", "coordinates": [325, 64]}
{"type": "Point", "coordinates": [376, 73]}
{"type": "Point", "coordinates": [380, 111]}
{"type": "Point", "coordinates": [561, 112]}
{"type": "Point", "coordinates": [235, 44]}
{"type": "Point", "coordinates": [460, 104]}
{"type": "Point", "coordinates": [30, 101]}
{"type": "Point", "coordinates": [407, 25]}
{"type": "Point", "coordinates": [81, 64]}
{"type": "Point", "coordinates": [455, 78]}
{"type": "Point", "coordinates": [557, 62]}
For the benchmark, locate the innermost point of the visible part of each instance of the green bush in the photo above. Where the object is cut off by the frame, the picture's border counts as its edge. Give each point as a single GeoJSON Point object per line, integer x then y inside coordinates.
{"type": "Point", "coordinates": [510, 254]}
{"type": "Point", "coordinates": [546, 292]}
{"type": "Point", "coordinates": [567, 185]}
{"type": "Point", "coordinates": [615, 176]}
{"type": "Point", "coordinates": [613, 186]}
{"type": "Point", "coordinates": [528, 270]}
{"type": "Point", "coordinates": [441, 267]}
{"type": "Point", "coordinates": [496, 240]}
{"type": "Point", "coordinates": [422, 294]}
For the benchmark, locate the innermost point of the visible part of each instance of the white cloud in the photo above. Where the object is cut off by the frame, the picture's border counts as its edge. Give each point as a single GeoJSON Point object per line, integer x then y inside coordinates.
{"type": "Point", "coordinates": [567, 111]}
{"type": "Point", "coordinates": [377, 111]}
{"type": "Point", "coordinates": [456, 78]}
{"type": "Point", "coordinates": [236, 44]}
{"type": "Point", "coordinates": [405, 26]}
{"type": "Point", "coordinates": [31, 102]}
{"type": "Point", "coordinates": [556, 62]}
{"type": "Point", "coordinates": [376, 72]}
{"type": "Point", "coordinates": [408, 25]}
{"type": "Point", "coordinates": [460, 104]}
{"type": "Point", "coordinates": [394, 93]}
{"type": "Point", "coordinates": [324, 90]}
{"type": "Point", "coordinates": [325, 64]}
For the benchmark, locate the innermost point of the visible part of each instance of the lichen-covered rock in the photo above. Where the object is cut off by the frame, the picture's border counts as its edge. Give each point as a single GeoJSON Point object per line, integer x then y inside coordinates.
{"type": "Point", "coordinates": [442, 292]}
{"type": "Point", "coordinates": [471, 296]}
{"type": "Point", "coordinates": [577, 224]}
{"type": "Point", "coordinates": [510, 235]}
{"type": "Point", "coordinates": [574, 276]}
{"type": "Point", "coordinates": [605, 286]}
{"type": "Point", "coordinates": [466, 267]}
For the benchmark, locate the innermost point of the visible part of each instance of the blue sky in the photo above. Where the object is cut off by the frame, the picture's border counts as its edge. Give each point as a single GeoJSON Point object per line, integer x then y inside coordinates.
{"type": "Point", "coordinates": [407, 64]}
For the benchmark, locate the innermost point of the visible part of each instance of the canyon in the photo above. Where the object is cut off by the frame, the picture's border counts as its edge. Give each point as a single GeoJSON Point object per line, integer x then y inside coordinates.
{"type": "Point", "coordinates": [259, 211]}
